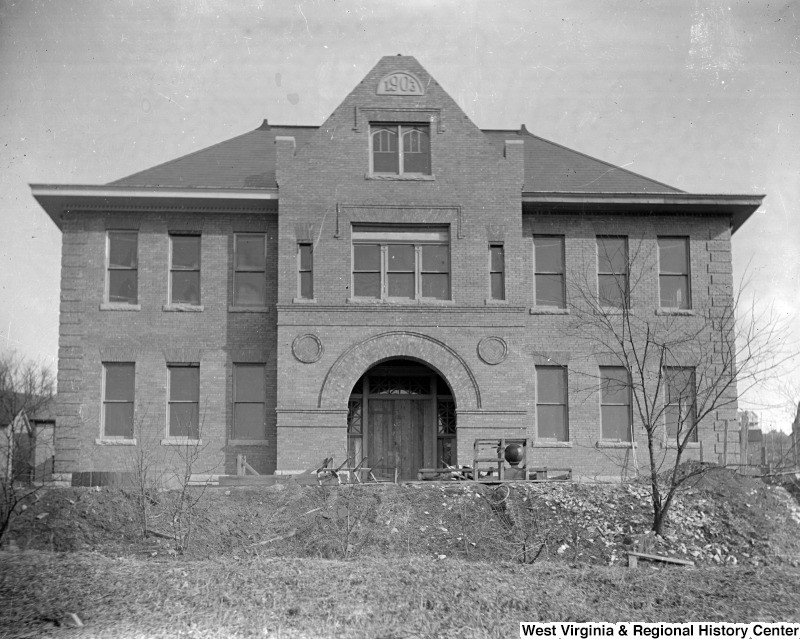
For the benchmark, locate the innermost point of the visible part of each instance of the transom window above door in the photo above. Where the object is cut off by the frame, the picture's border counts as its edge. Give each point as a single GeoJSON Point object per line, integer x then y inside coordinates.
{"type": "Point", "coordinates": [400, 149]}
{"type": "Point", "coordinates": [401, 263]}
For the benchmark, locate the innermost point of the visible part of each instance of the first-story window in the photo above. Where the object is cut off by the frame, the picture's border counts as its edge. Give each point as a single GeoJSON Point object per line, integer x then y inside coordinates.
{"type": "Point", "coordinates": [355, 431]}
{"type": "Point", "coordinates": [680, 404]}
{"type": "Point", "coordinates": [400, 148]}
{"type": "Point", "coordinates": [184, 269]}
{"type": "Point", "coordinates": [184, 400]}
{"type": "Point", "coordinates": [250, 269]}
{"type": "Point", "coordinates": [249, 401]}
{"type": "Point", "coordinates": [445, 432]}
{"type": "Point", "coordinates": [497, 272]}
{"type": "Point", "coordinates": [401, 263]}
{"type": "Point", "coordinates": [305, 270]}
{"type": "Point", "coordinates": [118, 392]}
{"type": "Point", "coordinates": [615, 403]}
{"type": "Point", "coordinates": [551, 403]}
{"type": "Point", "coordinates": [123, 267]}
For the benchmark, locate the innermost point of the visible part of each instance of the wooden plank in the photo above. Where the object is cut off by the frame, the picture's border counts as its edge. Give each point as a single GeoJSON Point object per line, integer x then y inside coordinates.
{"type": "Point", "coordinates": [662, 558]}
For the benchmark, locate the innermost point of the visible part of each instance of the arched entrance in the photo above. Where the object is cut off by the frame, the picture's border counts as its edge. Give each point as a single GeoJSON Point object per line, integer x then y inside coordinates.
{"type": "Point", "coordinates": [401, 416]}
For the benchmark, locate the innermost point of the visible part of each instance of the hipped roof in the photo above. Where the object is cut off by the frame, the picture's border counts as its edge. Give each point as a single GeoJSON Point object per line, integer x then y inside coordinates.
{"type": "Point", "coordinates": [248, 162]}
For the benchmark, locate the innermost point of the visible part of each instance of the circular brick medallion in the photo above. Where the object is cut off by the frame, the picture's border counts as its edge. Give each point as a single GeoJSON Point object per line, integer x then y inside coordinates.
{"type": "Point", "coordinates": [307, 348]}
{"type": "Point", "coordinates": [492, 350]}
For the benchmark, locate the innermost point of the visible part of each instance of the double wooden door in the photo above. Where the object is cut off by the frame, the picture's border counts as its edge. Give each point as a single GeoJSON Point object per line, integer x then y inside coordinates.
{"type": "Point", "coordinates": [397, 431]}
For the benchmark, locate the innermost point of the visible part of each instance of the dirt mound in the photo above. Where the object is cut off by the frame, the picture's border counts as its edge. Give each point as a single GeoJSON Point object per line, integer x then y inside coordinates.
{"type": "Point", "coordinates": [721, 518]}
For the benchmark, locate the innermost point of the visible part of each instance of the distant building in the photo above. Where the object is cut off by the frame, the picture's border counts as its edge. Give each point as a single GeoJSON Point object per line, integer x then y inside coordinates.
{"type": "Point", "coordinates": [391, 284]}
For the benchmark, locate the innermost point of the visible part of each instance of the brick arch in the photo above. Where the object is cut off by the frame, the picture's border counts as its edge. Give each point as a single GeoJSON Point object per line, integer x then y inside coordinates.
{"type": "Point", "coordinates": [357, 359]}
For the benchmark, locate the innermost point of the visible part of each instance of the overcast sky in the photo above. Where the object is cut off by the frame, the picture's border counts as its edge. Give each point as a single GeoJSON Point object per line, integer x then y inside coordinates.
{"type": "Point", "coordinates": [701, 94]}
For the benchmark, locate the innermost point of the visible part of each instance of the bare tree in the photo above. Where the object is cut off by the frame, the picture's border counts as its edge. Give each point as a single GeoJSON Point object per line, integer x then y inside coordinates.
{"type": "Point", "coordinates": [679, 369]}
{"type": "Point", "coordinates": [26, 389]}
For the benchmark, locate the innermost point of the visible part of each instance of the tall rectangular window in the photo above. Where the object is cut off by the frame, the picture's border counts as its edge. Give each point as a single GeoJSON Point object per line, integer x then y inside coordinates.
{"type": "Point", "coordinates": [185, 269]}
{"type": "Point", "coordinates": [548, 268]}
{"type": "Point", "coordinates": [497, 272]}
{"type": "Point", "coordinates": [250, 269]}
{"type": "Point", "coordinates": [123, 267]}
{"type": "Point", "coordinates": [184, 400]}
{"type": "Point", "coordinates": [680, 403]}
{"type": "Point", "coordinates": [612, 271]}
{"type": "Point", "coordinates": [673, 272]}
{"type": "Point", "coordinates": [401, 263]}
{"type": "Point", "coordinates": [551, 403]}
{"type": "Point", "coordinates": [615, 403]}
{"type": "Point", "coordinates": [118, 392]}
{"type": "Point", "coordinates": [249, 401]}
{"type": "Point", "coordinates": [305, 268]}
{"type": "Point", "coordinates": [400, 148]}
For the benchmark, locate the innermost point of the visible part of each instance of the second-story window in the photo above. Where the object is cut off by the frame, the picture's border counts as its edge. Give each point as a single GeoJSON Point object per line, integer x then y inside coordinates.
{"type": "Point", "coordinates": [123, 267]}
{"type": "Point", "coordinates": [400, 149]}
{"type": "Point", "coordinates": [497, 272]}
{"type": "Point", "coordinates": [612, 271]}
{"type": "Point", "coordinates": [401, 263]}
{"type": "Point", "coordinates": [305, 270]}
{"type": "Point", "coordinates": [184, 269]}
{"type": "Point", "coordinates": [548, 268]}
{"type": "Point", "coordinates": [673, 272]}
{"type": "Point", "coordinates": [250, 269]}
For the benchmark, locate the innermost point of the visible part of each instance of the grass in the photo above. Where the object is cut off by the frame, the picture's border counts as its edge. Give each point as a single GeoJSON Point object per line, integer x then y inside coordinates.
{"type": "Point", "coordinates": [395, 597]}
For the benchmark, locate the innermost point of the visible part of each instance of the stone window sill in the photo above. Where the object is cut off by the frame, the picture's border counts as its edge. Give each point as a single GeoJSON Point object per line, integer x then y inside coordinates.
{"type": "Point", "coordinates": [114, 441]}
{"type": "Point", "coordinates": [609, 443]}
{"type": "Point", "coordinates": [551, 443]}
{"type": "Point", "coordinates": [119, 306]}
{"type": "Point", "coordinates": [183, 308]}
{"type": "Point", "coordinates": [548, 310]}
{"type": "Point", "coordinates": [408, 177]}
{"type": "Point", "coordinates": [675, 311]}
{"type": "Point", "coordinates": [248, 442]}
{"type": "Point", "coordinates": [304, 300]}
{"type": "Point", "coordinates": [181, 441]}
{"type": "Point", "coordinates": [494, 302]}
{"type": "Point", "coordinates": [248, 309]}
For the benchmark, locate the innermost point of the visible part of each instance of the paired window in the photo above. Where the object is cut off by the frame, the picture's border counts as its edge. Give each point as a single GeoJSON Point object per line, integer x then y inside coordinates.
{"type": "Point", "coordinates": [122, 281]}
{"type": "Point", "coordinates": [497, 272]}
{"type": "Point", "coordinates": [673, 272]}
{"type": "Point", "coordinates": [680, 403]}
{"type": "Point", "coordinates": [184, 400]}
{"type": "Point", "coordinates": [400, 149]}
{"type": "Point", "coordinates": [548, 268]}
{"type": "Point", "coordinates": [551, 403]}
{"type": "Point", "coordinates": [118, 393]}
{"type": "Point", "coordinates": [250, 269]}
{"type": "Point", "coordinates": [612, 271]}
{"type": "Point", "coordinates": [184, 269]}
{"type": "Point", "coordinates": [305, 270]}
{"type": "Point", "coordinates": [401, 263]}
{"type": "Point", "coordinates": [249, 401]}
{"type": "Point", "coordinates": [615, 403]}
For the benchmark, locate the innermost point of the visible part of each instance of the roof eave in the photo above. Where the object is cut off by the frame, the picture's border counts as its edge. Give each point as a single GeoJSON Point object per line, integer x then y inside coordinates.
{"type": "Point", "coordinates": [739, 207]}
{"type": "Point", "coordinates": [56, 199]}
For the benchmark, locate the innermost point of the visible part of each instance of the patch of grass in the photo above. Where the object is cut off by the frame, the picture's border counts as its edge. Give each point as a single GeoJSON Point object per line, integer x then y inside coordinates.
{"type": "Point", "coordinates": [395, 597]}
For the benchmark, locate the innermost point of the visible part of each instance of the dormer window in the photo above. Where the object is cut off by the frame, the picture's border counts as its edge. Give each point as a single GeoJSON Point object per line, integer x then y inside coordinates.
{"type": "Point", "coordinates": [400, 149]}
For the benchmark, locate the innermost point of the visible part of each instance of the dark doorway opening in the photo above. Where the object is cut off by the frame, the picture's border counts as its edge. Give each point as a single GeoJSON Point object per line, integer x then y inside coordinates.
{"type": "Point", "coordinates": [401, 417]}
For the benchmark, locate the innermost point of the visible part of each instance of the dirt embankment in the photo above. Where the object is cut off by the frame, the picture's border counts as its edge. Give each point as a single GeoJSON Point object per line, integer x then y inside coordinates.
{"type": "Point", "coordinates": [722, 518]}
